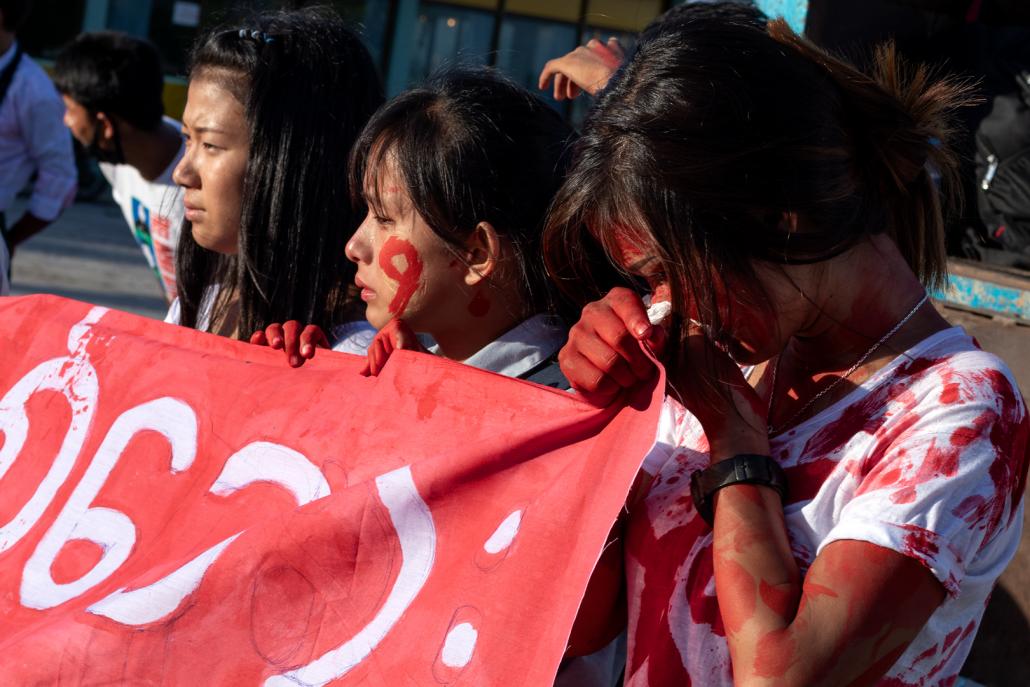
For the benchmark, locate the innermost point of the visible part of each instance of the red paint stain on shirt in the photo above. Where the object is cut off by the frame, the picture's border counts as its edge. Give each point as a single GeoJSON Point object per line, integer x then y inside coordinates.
{"type": "Point", "coordinates": [407, 278]}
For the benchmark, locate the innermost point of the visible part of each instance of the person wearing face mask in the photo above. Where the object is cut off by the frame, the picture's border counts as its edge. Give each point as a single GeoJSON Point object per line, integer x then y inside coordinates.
{"type": "Point", "coordinates": [32, 140]}
{"type": "Point", "coordinates": [839, 474]}
{"type": "Point", "coordinates": [112, 84]}
{"type": "Point", "coordinates": [273, 107]}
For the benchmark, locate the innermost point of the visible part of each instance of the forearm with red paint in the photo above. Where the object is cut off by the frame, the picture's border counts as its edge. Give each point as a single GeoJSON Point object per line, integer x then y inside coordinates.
{"type": "Point", "coordinates": [845, 622]}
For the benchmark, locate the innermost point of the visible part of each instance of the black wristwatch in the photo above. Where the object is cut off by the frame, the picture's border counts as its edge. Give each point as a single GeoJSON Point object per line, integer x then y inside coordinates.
{"type": "Point", "coordinates": [745, 468]}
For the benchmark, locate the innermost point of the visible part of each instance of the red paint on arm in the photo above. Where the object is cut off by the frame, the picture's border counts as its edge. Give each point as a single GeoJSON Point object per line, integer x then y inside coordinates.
{"type": "Point", "coordinates": [407, 278]}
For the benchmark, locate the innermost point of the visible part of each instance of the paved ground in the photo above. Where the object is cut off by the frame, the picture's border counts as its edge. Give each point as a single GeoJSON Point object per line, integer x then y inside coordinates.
{"type": "Point", "coordinates": [88, 254]}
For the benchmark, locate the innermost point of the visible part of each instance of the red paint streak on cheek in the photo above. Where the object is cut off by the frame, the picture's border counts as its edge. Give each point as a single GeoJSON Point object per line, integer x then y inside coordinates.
{"type": "Point", "coordinates": [408, 278]}
{"type": "Point", "coordinates": [480, 305]}
{"type": "Point", "coordinates": [661, 294]}
{"type": "Point", "coordinates": [778, 599]}
{"type": "Point", "coordinates": [735, 583]}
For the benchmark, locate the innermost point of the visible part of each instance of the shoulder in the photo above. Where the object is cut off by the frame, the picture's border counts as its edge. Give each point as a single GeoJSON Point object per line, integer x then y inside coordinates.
{"type": "Point", "coordinates": [31, 81]}
{"type": "Point", "coordinates": [955, 372]}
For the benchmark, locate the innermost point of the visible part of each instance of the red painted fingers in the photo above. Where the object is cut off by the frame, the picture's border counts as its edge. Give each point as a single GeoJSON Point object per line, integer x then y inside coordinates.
{"type": "Point", "coordinates": [603, 354]}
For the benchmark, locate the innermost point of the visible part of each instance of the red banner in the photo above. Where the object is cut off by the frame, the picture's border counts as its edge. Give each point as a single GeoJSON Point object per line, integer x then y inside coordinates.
{"type": "Point", "coordinates": [177, 508]}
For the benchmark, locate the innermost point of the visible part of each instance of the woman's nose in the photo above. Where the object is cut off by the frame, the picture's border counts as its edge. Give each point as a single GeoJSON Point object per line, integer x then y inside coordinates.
{"type": "Point", "coordinates": [184, 173]}
{"type": "Point", "coordinates": [359, 248]}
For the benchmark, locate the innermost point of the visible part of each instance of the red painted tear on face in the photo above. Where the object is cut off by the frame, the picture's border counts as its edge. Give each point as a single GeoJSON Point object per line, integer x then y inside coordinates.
{"type": "Point", "coordinates": [405, 271]}
{"type": "Point", "coordinates": [480, 305]}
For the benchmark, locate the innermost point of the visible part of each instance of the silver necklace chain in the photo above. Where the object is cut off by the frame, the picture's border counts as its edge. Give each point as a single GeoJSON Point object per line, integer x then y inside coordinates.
{"type": "Point", "coordinates": [839, 380]}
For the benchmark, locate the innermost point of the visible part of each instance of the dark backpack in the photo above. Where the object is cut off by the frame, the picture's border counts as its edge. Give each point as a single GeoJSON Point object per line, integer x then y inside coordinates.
{"type": "Point", "coordinates": [1003, 175]}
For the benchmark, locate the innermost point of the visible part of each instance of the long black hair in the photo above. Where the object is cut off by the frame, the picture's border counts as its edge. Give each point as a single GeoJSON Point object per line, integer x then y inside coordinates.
{"type": "Point", "coordinates": [308, 85]}
{"type": "Point", "coordinates": [471, 146]}
{"type": "Point", "coordinates": [720, 125]}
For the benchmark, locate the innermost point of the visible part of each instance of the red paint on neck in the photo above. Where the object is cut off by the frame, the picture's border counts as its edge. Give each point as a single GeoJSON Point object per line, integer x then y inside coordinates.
{"type": "Point", "coordinates": [480, 305]}
{"type": "Point", "coordinates": [408, 278]}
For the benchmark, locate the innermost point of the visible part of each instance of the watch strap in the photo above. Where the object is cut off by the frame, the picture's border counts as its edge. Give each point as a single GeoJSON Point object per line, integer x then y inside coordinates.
{"type": "Point", "coordinates": [745, 468]}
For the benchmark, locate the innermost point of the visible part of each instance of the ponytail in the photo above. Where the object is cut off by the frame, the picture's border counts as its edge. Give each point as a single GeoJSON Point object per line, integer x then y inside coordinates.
{"type": "Point", "coordinates": [900, 119]}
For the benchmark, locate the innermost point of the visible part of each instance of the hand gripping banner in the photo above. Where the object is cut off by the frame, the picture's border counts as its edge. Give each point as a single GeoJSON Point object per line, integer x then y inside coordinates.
{"type": "Point", "coordinates": [181, 509]}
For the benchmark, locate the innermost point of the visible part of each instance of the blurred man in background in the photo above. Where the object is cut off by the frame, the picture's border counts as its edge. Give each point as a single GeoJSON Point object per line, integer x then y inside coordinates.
{"type": "Point", "coordinates": [112, 84]}
{"type": "Point", "coordinates": [32, 140]}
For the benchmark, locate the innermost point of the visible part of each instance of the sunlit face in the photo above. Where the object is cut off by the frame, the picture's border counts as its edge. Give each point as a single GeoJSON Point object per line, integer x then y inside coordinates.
{"type": "Point", "coordinates": [405, 269]}
{"type": "Point", "coordinates": [748, 332]}
{"type": "Point", "coordinates": [80, 121]}
{"type": "Point", "coordinates": [212, 168]}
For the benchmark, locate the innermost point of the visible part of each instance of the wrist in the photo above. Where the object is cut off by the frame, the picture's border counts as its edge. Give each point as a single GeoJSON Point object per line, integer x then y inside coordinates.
{"type": "Point", "coordinates": [739, 438]}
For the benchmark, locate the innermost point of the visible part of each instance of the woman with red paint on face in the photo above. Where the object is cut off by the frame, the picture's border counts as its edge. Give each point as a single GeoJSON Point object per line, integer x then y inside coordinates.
{"type": "Point", "coordinates": [457, 176]}
{"type": "Point", "coordinates": [838, 478]}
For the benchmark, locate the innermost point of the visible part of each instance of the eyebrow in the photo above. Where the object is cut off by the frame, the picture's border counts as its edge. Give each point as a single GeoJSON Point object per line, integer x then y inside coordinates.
{"type": "Point", "coordinates": [201, 129]}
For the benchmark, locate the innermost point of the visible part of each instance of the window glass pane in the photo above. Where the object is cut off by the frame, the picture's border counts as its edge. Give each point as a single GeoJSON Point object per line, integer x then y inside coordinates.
{"type": "Point", "coordinates": [369, 18]}
{"type": "Point", "coordinates": [546, 9]}
{"type": "Point", "coordinates": [526, 44]}
{"type": "Point", "coordinates": [448, 35]}
{"type": "Point", "coordinates": [622, 15]}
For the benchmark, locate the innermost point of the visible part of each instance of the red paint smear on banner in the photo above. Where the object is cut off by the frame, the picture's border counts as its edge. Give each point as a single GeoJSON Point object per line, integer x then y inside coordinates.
{"type": "Point", "coordinates": [408, 278]}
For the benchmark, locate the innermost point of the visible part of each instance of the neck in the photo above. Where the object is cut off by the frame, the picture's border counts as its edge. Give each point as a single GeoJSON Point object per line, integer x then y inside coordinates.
{"type": "Point", "coordinates": [476, 328]}
{"type": "Point", "coordinates": [150, 152]}
{"type": "Point", "coordinates": [871, 290]}
{"type": "Point", "coordinates": [6, 41]}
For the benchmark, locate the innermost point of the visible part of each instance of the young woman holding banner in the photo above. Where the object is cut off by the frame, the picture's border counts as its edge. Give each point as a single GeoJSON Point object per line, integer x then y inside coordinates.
{"type": "Point", "coordinates": [457, 176]}
{"type": "Point", "coordinates": [273, 108]}
{"type": "Point", "coordinates": [838, 480]}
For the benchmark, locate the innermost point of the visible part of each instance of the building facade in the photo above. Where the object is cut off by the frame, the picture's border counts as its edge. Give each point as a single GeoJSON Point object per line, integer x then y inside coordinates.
{"type": "Point", "coordinates": [408, 38]}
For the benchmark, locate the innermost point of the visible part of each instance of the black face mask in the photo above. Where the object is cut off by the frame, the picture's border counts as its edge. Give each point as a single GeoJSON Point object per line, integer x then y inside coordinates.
{"type": "Point", "coordinates": [114, 156]}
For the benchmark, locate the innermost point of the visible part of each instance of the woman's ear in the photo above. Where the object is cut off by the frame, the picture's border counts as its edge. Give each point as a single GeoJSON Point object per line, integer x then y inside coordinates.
{"type": "Point", "coordinates": [106, 127]}
{"type": "Point", "coordinates": [483, 248]}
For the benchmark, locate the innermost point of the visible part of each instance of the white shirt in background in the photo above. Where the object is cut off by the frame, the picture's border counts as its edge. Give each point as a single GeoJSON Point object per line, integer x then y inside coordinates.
{"type": "Point", "coordinates": [154, 212]}
{"type": "Point", "coordinates": [33, 139]}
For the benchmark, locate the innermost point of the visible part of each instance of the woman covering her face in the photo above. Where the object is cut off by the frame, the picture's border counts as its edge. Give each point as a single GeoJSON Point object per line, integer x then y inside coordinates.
{"type": "Point", "coordinates": [273, 108]}
{"type": "Point", "coordinates": [838, 478]}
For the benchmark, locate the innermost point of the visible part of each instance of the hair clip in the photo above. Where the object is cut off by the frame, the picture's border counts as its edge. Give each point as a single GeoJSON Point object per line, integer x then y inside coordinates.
{"type": "Point", "coordinates": [259, 36]}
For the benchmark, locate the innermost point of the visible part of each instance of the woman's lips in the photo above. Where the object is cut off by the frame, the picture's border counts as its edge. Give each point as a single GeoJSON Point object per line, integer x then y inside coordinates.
{"type": "Point", "coordinates": [367, 294]}
{"type": "Point", "coordinates": [193, 213]}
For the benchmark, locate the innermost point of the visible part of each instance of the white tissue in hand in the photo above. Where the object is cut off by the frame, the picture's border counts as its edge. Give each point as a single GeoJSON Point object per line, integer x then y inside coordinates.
{"type": "Point", "coordinates": [659, 311]}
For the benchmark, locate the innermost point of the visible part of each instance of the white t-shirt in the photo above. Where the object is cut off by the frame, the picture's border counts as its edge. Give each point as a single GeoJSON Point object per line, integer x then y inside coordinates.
{"type": "Point", "coordinates": [927, 458]}
{"type": "Point", "coordinates": [153, 210]}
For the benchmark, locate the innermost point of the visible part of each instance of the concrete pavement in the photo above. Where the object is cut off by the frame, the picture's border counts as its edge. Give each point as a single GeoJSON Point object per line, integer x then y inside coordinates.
{"type": "Point", "coordinates": [88, 254]}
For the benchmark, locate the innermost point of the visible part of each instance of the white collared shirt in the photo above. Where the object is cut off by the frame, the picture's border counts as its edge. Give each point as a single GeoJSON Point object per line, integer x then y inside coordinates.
{"type": "Point", "coordinates": [33, 138]}
{"type": "Point", "coordinates": [521, 348]}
